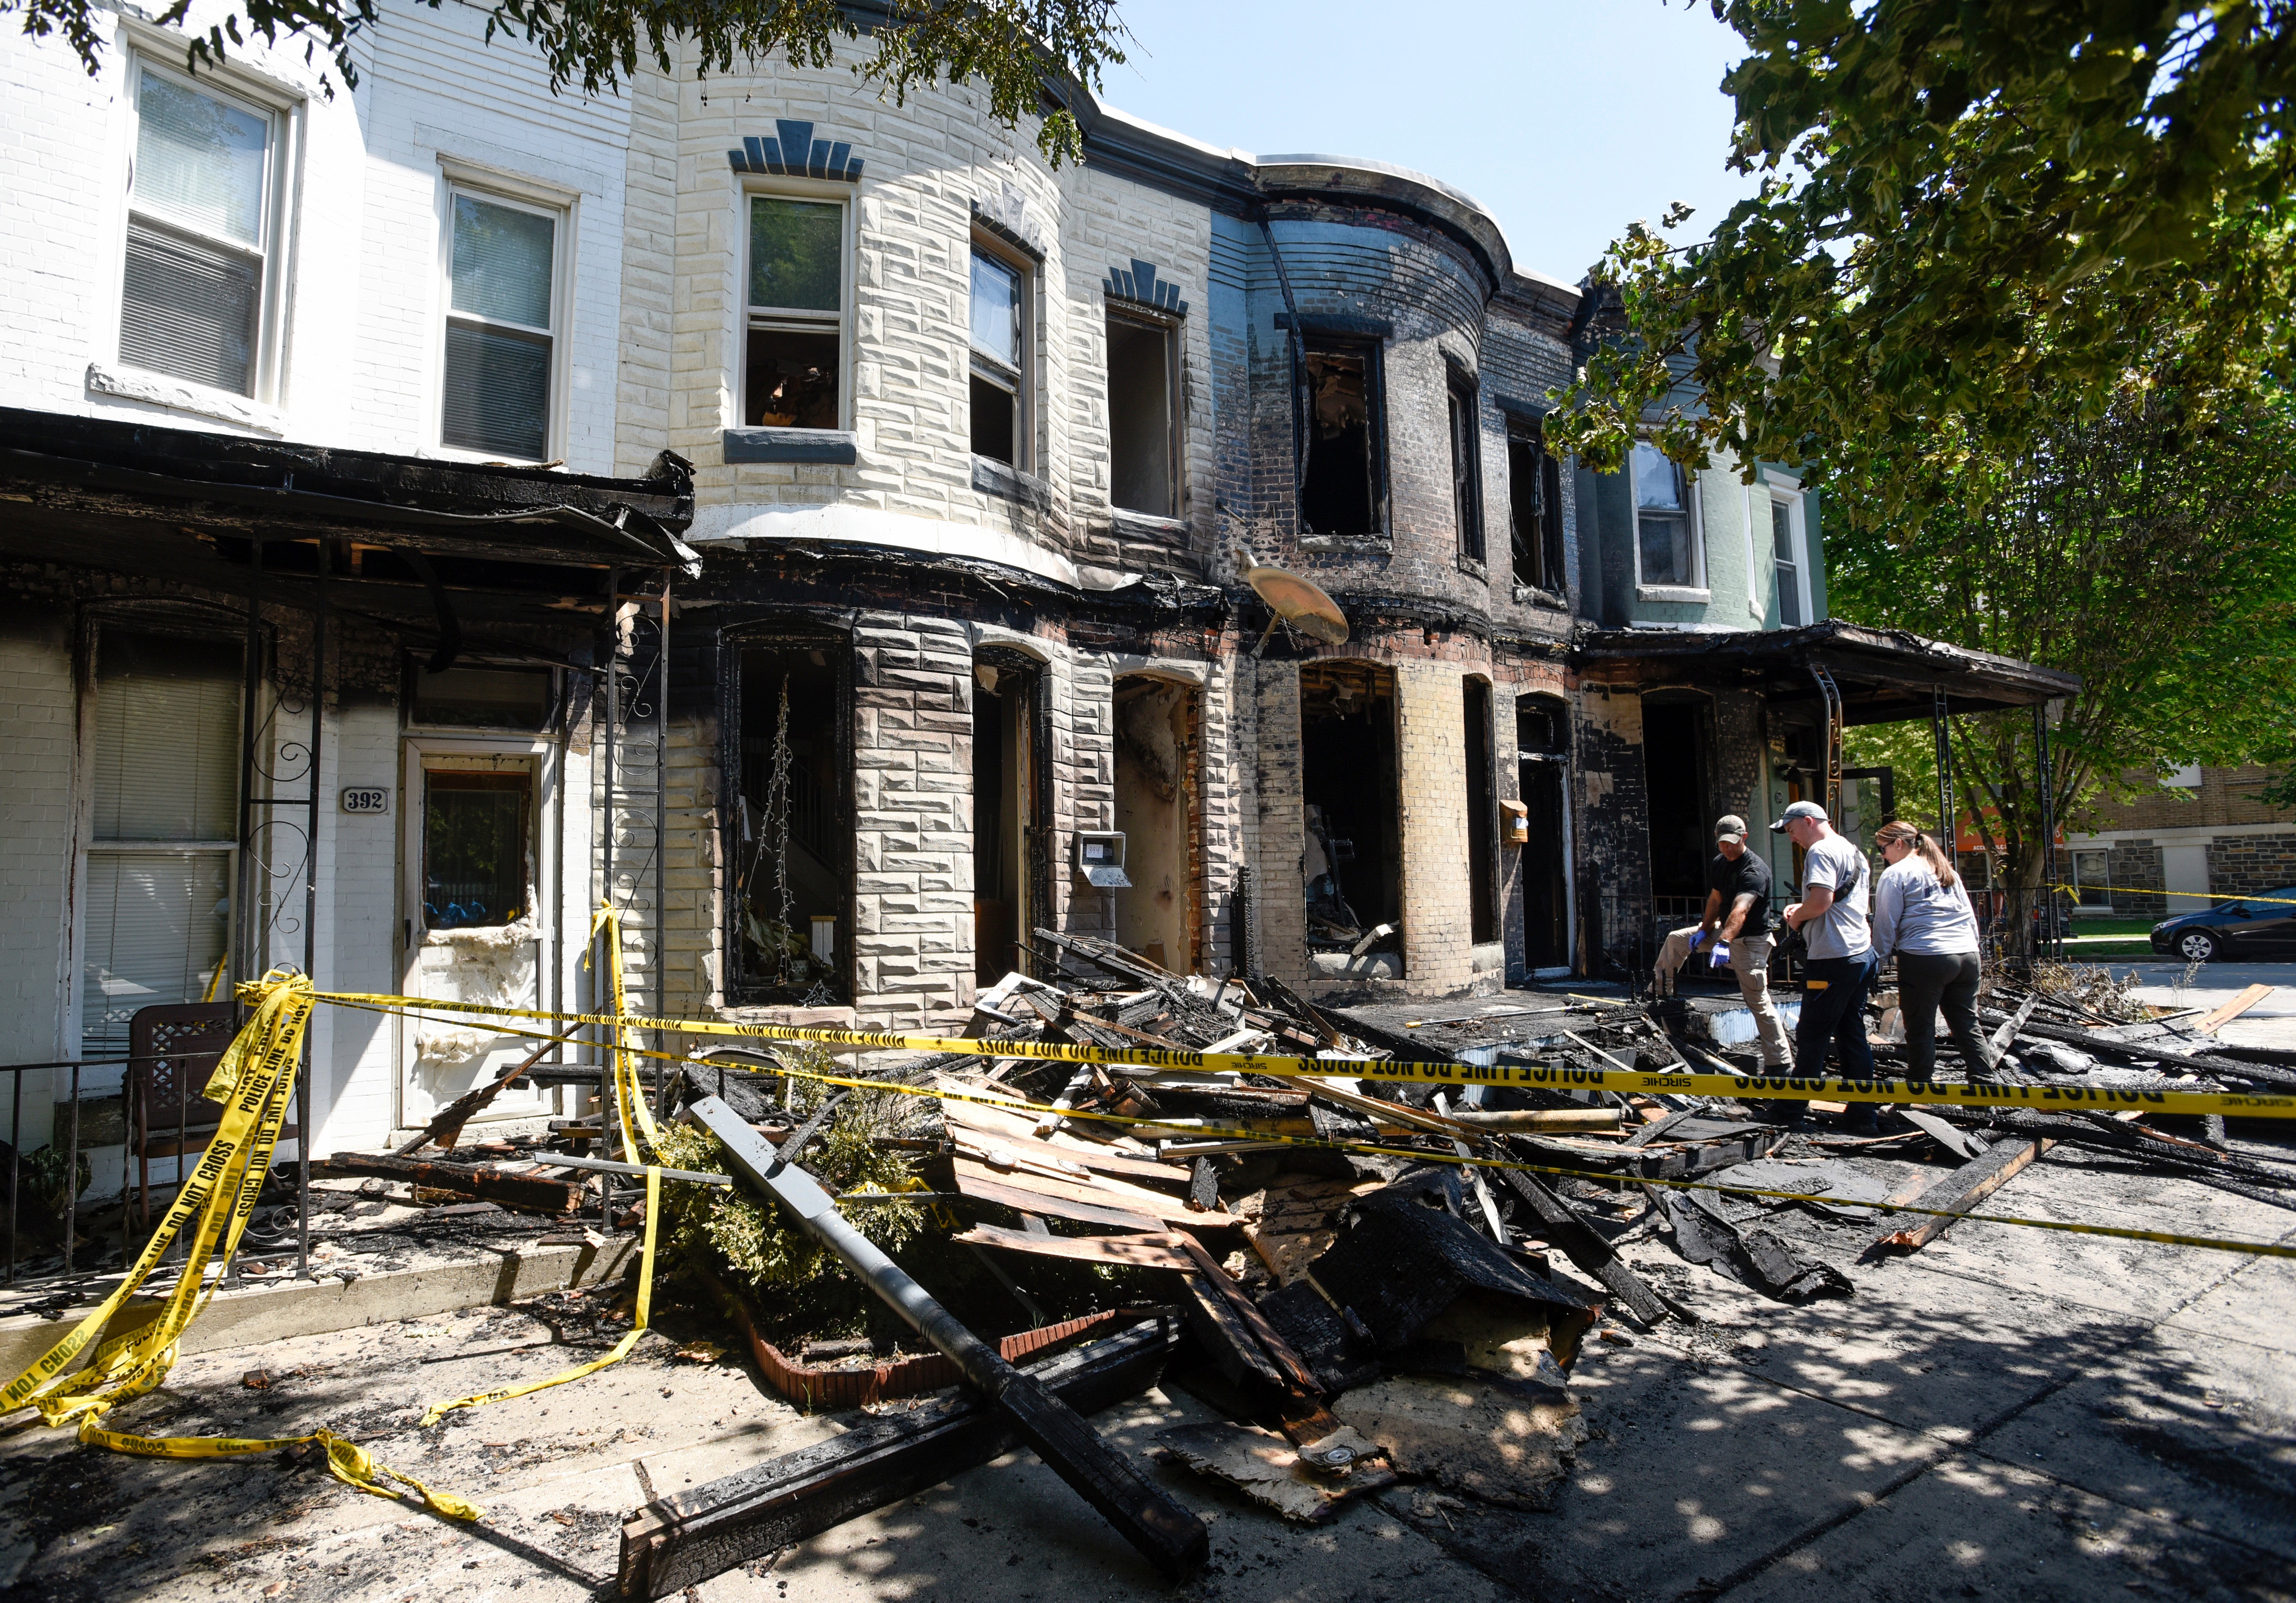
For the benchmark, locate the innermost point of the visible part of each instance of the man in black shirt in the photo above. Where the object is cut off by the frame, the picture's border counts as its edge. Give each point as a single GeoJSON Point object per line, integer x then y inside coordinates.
{"type": "Point", "coordinates": [1735, 930]}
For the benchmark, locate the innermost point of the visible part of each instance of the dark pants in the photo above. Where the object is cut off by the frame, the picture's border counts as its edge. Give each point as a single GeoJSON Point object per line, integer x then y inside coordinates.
{"type": "Point", "coordinates": [1924, 983]}
{"type": "Point", "coordinates": [1833, 1010]}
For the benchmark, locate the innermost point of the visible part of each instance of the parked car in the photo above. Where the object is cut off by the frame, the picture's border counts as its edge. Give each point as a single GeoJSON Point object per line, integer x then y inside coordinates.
{"type": "Point", "coordinates": [2256, 926]}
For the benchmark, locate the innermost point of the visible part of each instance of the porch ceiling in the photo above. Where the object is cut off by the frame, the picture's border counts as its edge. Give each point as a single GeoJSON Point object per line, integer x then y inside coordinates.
{"type": "Point", "coordinates": [1884, 674]}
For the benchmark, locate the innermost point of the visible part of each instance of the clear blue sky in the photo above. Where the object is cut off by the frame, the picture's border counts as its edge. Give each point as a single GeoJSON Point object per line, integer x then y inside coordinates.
{"type": "Point", "coordinates": [1567, 120]}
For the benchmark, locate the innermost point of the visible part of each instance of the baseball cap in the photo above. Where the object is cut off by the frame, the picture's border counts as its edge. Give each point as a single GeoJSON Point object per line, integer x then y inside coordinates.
{"type": "Point", "coordinates": [1799, 810]}
{"type": "Point", "coordinates": [1729, 827]}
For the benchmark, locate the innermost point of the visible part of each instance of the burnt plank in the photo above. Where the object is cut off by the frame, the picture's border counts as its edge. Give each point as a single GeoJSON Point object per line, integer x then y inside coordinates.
{"type": "Point", "coordinates": [1962, 1190]}
{"type": "Point", "coordinates": [529, 1192]}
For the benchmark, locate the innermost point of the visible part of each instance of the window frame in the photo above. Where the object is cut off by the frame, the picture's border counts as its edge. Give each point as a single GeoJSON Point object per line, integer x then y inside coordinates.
{"type": "Point", "coordinates": [1372, 349]}
{"type": "Point", "coordinates": [2104, 887]}
{"type": "Point", "coordinates": [1695, 589]}
{"type": "Point", "coordinates": [795, 319]}
{"type": "Point", "coordinates": [149, 51]}
{"type": "Point", "coordinates": [981, 363]}
{"type": "Point", "coordinates": [1169, 327]}
{"type": "Point", "coordinates": [1544, 539]}
{"type": "Point", "coordinates": [1462, 416]}
{"type": "Point", "coordinates": [560, 207]}
{"type": "Point", "coordinates": [1798, 538]}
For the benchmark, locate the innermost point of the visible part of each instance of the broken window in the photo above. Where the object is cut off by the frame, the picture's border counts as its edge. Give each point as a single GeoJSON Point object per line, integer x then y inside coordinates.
{"type": "Point", "coordinates": [796, 310]}
{"type": "Point", "coordinates": [1340, 494]}
{"type": "Point", "coordinates": [1000, 349]}
{"type": "Point", "coordinates": [1482, 816]}
{"type": "Point", "coordinates": [474, 848]}
{"type": "Point", "coordinates": [1143, 421]}
{"type": "Point", "coordinates": [1156, 798]}
{"type": "Point", "coordinates": [1466, 487]}
{"type": "Point", "coordinates": [1352, 800]}
{"type": "Point", "coordinates": [502, 291]}
{"type": "Point", "coordinates": [164, 829]}
{"type": "Point", "coordinates": [1010, 834]}
{"type": "Point", "coordinates": [1785, 554]}
{"type": "Point", "coordinates": [1665, 536]}
{"type": "Point", "coordinates": [1542, 749]}
{"type": "Point", "coordinates": [792, 824]}
{"type": "Point", "coordinates": [202, 227]}
{"type": "Point", "coordinates": [1535, 501]}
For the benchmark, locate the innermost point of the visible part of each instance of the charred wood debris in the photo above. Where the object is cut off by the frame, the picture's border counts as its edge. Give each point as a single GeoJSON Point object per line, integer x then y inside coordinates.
{"type": "Point", "coordinates": [1356, 1317]}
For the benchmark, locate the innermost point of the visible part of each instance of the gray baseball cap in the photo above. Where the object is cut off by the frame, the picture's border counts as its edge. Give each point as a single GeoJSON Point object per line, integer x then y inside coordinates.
{"type": "Point", "coordinates": [1729, 827]}
{"type": "Point", "coordinates": [1799, 810]}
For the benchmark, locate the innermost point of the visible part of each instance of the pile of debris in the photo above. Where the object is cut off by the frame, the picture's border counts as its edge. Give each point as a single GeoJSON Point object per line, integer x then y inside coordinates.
{"type": "Point", "coordinates": [1368, 1279]}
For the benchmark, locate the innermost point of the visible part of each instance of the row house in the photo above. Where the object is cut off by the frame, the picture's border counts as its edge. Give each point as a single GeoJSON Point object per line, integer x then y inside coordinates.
{"type": "Point", "coordinates": [839, 538]}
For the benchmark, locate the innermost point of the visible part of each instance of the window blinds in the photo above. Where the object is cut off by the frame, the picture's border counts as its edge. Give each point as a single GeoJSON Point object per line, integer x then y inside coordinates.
{"type": "Point", "coordinates": [191, 294]}
{"type": "Point", "coordinates": [498, 330]}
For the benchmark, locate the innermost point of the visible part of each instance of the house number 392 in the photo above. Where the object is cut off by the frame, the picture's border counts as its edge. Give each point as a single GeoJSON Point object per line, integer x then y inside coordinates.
{"type": "Point", "coordinates": [366, 798]}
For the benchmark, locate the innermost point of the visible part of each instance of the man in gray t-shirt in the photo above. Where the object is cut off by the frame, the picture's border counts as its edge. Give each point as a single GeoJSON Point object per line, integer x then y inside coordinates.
{"type": "Point", "coordinates": [1831, 917]}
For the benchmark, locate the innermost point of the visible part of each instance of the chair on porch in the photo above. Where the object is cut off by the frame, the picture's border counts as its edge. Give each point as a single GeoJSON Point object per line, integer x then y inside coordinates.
{"type": "Point", "coordinates": [174, 1049]}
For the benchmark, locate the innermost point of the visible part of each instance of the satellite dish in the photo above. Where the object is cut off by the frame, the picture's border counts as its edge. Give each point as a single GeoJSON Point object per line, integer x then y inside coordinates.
{"type": "Point", "coordinates": [1298, 601]}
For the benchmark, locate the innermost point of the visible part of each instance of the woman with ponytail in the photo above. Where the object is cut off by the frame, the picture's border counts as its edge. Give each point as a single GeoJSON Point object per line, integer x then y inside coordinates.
{"type": "Point", "coordinates": [1922, 915]}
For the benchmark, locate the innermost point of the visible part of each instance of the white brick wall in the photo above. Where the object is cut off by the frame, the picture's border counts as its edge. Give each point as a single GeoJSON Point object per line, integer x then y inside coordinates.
{"type": "Point", "coordinates": [37, 730]}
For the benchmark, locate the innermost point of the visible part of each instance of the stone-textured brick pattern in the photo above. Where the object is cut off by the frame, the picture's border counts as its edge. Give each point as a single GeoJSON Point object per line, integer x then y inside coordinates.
{"type": "Point", "coordinates": [2252, 865]}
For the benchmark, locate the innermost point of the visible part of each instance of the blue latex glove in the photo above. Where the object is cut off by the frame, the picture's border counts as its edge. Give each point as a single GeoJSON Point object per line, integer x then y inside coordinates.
{"type": "Point", "coordinates": [1721, 958]}
{"type": "Point", "coordinates": [1697, 939]}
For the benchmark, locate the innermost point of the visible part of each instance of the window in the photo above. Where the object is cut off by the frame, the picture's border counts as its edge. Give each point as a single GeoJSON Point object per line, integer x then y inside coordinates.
{"type": "Point", "coordinates": [485, 698]}
{"type": "Point", "coordinates": [1786, 557]}
{"type": "Point", "coordinates": [475, 827]}
{"type": "Point", "coordinates": [1666, 545]}
{"type": "Point", "coordinates": [201, 230]}
{"type": "Point", "coordinates": [1000, 353]}
{"type": "Point", "coordinates": [502, 296]}
{"type": "Point", "coordinates": [1466, 497]}
{"type": "Point", "coordinates": [165, 773]}
{"type": "Point", "coordinates": [2093, 880]}
{"type": "Point", "coordinates": [2184, 777]}
{"type": "Point", "coordinates": [1340, 494]}
{"type": "Point", "coordinates": [1535, 501]}
{"type": "Point", "coordinates": [797, 314]}
{"type": "Point", "coordinates": [1143, 421]}
{"type": "Point", "coordinates": [791, 818]}
{"type": "Point", "coordinates": [1482, 814]}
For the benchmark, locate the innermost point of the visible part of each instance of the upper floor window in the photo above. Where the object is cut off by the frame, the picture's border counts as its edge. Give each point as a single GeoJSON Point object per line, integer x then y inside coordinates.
{"type": "Point", "coordinates": [1785, 556]}
{"type": "Point", "coordinates": [202, 231]}
{"type": "Point", "coordinates": [1466, 488]}
{"type": "Point", "coordinates": [1534, 500]}
{"type": "Point", "coordinates": [1000, 359]}
{"type": "Point", "coordinates": [1666, 523]}
{"type": "Point", "coordinates": [1143, 418]}
{"type": "Point", "coordinates": [498, 379]}
{"type": "Point", "coordinates": [1339, 492]}
{"type": "Point", "coordinates": [797, 314]}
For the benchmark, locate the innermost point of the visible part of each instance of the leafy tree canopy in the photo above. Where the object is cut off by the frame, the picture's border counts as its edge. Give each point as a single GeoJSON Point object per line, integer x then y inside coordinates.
{"type": "Point", "coordinates": [1013, 47]}
{"type": "Point", "coordinates": [1972, 213]}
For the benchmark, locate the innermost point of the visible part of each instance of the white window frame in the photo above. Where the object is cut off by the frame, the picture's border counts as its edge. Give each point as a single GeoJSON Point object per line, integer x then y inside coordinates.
{"type": "Point", "coordinates": [1175, 424]}
{"type": "Point", "coordinates": [562, 207]}
{"type": "Point", "coordinates": [1023, 382]}
{"type": "Point", "coordinates": [2073, 856]}
{"type": "Point", "coordinates": [151, 50]}
{"type": "Point", "coordinates": [1798, 537]}
{"type": "Point", "coordinates": [800, 319]}
{"type": "Point", "coordinates": [1694, 512]}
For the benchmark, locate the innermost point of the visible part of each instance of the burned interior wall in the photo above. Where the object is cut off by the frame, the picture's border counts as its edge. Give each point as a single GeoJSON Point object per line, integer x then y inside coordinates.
{"type": "Point", "coordinates": [1614, 890]}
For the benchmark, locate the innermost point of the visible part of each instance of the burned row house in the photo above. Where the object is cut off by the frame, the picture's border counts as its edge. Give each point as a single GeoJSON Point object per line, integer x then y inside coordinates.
{"type": "Point", "coordinates": [838, 538]}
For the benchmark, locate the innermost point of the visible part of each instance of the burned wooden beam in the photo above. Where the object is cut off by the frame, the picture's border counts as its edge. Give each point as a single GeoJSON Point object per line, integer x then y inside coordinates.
{"type": "Point", "coordinates": [1962, 1190]}
{"type": "Point", "coordinates": [530, 1192]}
{"type": "Point", "coordinates": [683, 1539]}
{"type": "Point", "coordinates": [1584, 1248]}
{"type": "Point", "coordinates": [1170, 1537]}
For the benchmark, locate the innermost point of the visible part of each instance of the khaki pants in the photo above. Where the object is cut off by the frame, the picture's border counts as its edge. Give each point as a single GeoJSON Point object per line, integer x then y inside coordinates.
{"type": "Point", "coordinates": [1750, 960]}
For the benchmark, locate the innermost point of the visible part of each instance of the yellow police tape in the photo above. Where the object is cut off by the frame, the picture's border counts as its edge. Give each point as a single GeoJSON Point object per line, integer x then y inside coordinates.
{"type": "Point", "coordinates": [1517, 1076]}
{"type": "Point", "coordinates": [2280, 901]}
{"type": "Point", "coordinates": [1199, 1131]}
{"type": "Point", "coordinates": [253, 1081]}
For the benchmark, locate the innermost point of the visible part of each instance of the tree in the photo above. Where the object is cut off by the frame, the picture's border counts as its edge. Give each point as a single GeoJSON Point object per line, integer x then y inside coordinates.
{"type": "Point", "coordinates": [1971, 221]}
{"type": "Point", "coordinates": [2154, 557]}
{"type": "Point", "coordinates": [1014, 47]}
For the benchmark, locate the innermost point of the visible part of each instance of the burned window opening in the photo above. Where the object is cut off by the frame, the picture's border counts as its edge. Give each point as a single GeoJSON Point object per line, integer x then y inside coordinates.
{"type": "Point", "coordinates": [1542, 748]}
{"type": "Point", "coordinates": [1351, 797]}
{"type": "Point", "coordinates": [1678, 767]}
{"type": "Point", "coordinates": [1157, 800]}
{"type": "Point", "coordinates": [1466, 479]}
{"type": "Point", "coordinates": [1011, 832]}
{"type": "Point", "coordinates": [1482, 815]}
{"type": "Point", "coordinates": [1143, 416]}
{"type": "Point", "coordinates": [792, 823]}
{"type": "Point", "coordinates": [1534, 503]}
{"type": "Point", "coordinates": [1340, 488]}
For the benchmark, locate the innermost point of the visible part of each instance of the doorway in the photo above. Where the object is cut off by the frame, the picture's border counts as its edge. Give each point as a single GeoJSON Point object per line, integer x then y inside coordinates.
{"type": "Point", "coordinates": [1678, 737]}
{"type": "Point", "coordinates": [792, 900]}
{"type": "Point", "coordinates": [1542, 748]}
{"type": "Point", "coordinates": [1156, 808]}
{"type": "Point", "coordinates": [1009, 833]}
{"type": "Point", "coordinates": [1482, 816]}
{"type": "Point", "coordinates": [1349, 795]}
